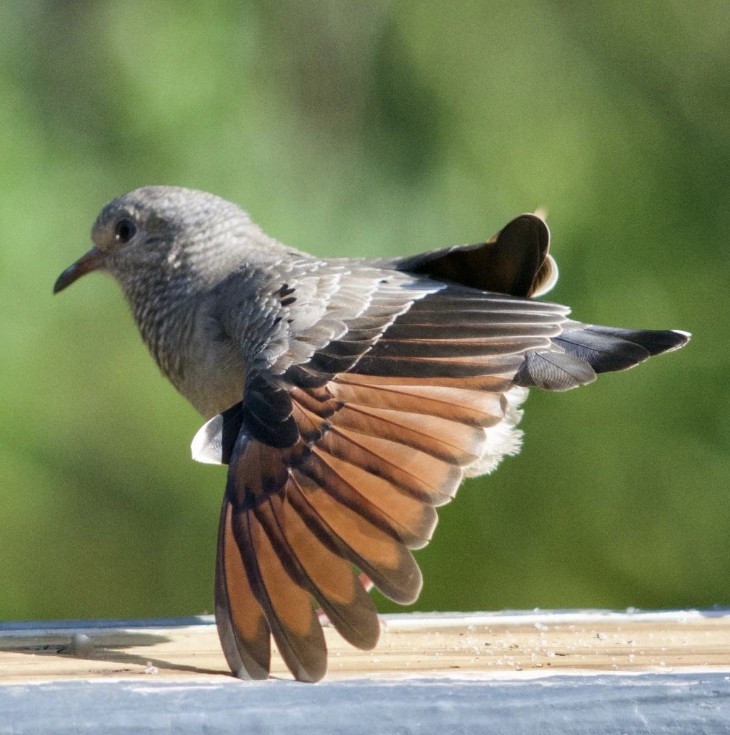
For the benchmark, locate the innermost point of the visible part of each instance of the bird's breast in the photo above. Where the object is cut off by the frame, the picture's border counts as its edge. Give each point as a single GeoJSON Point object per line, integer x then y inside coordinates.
{"type": "Point", "coordinates": [213, 370]}
{"type": "Point", "coordinates": [194, 353]}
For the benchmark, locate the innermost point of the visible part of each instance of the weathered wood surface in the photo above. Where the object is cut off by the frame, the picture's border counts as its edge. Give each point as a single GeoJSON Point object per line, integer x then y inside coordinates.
{"type": "Point", "coordinates": [523, 674]}
{"type": "Point", "coordinates": [458, 646]}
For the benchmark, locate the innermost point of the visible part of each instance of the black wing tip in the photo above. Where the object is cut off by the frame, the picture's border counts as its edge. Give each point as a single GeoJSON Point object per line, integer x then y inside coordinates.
{"type": "Point", "coordinates": [654, 341]}
{"type": "Point", "coordinates": [679, 339]}
{"type": "Point", "coordinates": [588, 349]}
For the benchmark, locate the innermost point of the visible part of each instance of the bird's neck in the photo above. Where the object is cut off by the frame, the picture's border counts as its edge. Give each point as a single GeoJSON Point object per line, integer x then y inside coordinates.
{"type": "Point", "coordinates": [183, 336]}
{"type": "Point", "coordinates": [164, 312]}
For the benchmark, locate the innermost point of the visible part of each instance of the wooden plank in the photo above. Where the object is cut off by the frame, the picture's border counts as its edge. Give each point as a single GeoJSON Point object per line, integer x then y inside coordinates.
{"type": "Point", "coordinates": [467, 646]}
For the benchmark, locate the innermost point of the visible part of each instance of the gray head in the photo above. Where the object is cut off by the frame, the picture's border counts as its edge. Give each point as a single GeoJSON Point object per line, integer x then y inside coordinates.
{"type": "Point", "coordinates": [163, 233]}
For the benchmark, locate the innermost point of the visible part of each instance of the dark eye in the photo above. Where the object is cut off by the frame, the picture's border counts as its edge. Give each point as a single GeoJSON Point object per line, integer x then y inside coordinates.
{"type": "Point", "coordinates": [125, 230]}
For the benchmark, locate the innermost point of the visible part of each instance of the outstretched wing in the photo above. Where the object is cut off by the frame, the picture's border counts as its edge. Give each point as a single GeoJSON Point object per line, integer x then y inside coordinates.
{"type": "Point", "coordinates": [377, 393]}
{"type": "Point", "coordinates": [343, 447]}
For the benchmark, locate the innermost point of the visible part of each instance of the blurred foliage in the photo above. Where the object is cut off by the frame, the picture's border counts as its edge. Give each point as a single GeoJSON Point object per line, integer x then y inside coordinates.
{"type": "Point", "coordinates": [372, 128]}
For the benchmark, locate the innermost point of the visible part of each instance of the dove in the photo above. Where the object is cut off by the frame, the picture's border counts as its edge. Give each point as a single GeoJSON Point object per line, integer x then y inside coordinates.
{"type": "Point", "coordinates": [348, 397]}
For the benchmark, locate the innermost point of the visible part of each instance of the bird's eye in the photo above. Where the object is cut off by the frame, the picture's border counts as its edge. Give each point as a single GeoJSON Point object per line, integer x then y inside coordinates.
{"type": "Point", "coordinates": [124, 231]}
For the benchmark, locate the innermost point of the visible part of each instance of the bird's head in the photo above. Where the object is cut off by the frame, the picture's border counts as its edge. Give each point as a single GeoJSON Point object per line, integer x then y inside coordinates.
{"type": "Point", "coordinates": [162, 232]}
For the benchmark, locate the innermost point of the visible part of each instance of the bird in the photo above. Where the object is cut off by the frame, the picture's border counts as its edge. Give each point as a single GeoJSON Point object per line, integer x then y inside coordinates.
{"type": "Point", "coordinates": [348, 397]}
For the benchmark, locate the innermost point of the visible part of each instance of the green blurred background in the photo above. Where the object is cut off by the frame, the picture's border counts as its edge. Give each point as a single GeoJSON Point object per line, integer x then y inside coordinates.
{"type": "Point", "coordinates": [371, 128]}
